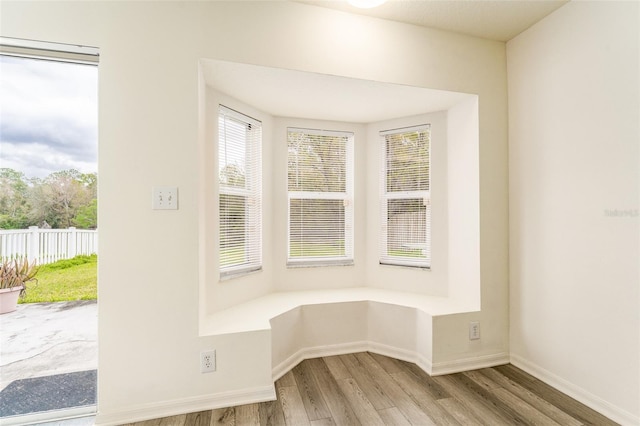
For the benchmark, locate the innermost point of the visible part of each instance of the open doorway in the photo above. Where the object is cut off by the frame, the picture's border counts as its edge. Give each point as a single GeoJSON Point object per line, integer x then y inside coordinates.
{"type": "Point", "coordinates": [48, 215]}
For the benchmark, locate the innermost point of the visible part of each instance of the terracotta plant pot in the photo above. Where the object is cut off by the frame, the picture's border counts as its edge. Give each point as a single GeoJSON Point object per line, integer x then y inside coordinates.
{"type": "Point", "coordinates": [9, 299]}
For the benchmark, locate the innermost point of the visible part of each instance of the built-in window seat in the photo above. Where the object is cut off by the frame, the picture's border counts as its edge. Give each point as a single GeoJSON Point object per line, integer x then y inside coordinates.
{"type": "Point", "coordinates": [309, 324]}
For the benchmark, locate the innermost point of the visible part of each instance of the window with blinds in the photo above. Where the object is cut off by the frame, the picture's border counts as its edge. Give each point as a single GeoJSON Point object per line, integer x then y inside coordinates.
{"type": "Point", "coordinates": [320, 196]}
{"type": "Point", "coordinates": [405, 197]}
{"type": "Point", "coordinates": [240, 189]}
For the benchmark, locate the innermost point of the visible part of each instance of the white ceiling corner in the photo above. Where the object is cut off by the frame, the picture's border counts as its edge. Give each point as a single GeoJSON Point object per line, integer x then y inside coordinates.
{"type": "Point", "coordinates": [499, 20]}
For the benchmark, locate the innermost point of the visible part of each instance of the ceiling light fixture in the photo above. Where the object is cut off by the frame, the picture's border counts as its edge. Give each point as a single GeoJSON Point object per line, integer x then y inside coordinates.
{"type": "Point", "coordinates": [366, 4]}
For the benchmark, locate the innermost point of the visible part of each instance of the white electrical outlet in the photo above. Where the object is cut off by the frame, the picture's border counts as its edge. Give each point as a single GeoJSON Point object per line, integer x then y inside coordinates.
{"type": "Point", "coordinates": [208, 361]}
{"type": "Point", "coordinates": [474, 330]}
{"type": "Point", "coordinates": [164, 198]}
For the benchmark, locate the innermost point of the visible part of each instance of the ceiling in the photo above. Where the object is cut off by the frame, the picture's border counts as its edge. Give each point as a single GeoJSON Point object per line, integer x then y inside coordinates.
{"type": "Point", "coordinates": [491, 19]}
{"type": "Point", "coordinates": [286, 93]}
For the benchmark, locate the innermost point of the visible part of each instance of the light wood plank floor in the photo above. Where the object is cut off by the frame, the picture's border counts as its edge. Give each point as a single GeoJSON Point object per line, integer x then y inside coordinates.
{"type": "Point", "coordinates": [370, 389]}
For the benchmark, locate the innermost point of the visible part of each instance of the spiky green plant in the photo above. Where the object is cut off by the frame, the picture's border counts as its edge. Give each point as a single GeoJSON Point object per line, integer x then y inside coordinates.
{"type": "Point", "coordinates": [16, 273]}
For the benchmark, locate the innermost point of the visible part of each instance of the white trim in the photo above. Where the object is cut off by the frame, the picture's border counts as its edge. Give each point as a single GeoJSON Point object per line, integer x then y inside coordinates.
{"type": "Point", "coordinates": [50, 51]}
{"type": "Point", "coordinates": [432, 369]}
{"type": "Point", "coordinates": [583, 396]}
{"type": "Point", "coordinates": [393, 352]}
{"type": "Point", "coordinates": [174, 407]}
{"type": "Point", "coordinates": [417, 128]}
{"type": "Point", "coordinates": [468, 364]}
{"type": "Point", "coordinates": [244, 118]}
{"type": "Point", "coordinates": [346, 196]}
{"type": "Point", "coordinates": [49, 416]}
{"type": "Point", "coordinates": [320, 132]}
{"type": "Point", "coordinates": [346, 348]}
{"type": "Point", "coordinates": [317, 352]}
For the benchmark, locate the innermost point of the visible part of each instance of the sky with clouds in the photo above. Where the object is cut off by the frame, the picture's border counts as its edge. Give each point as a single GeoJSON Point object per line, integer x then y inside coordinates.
{"type": "Point", "coordinates": [48, 116]}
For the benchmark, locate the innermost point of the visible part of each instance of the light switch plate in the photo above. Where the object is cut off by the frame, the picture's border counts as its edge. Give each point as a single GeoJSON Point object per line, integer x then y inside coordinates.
{"type": "Point", "coordinates": [164, 198]}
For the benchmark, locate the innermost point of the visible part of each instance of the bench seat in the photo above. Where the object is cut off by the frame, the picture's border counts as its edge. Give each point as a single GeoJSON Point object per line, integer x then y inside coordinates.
{"type": "Point", "coordinates": [308, 324]}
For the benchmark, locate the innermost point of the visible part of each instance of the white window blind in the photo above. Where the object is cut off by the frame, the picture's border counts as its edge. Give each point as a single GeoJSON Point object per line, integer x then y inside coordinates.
{"type": "Point", "coordinates": [320, 195]}
{"type": "Point", "coordinates": [240, 189]}
{"type": "Point", "coordinates": [405, 197]}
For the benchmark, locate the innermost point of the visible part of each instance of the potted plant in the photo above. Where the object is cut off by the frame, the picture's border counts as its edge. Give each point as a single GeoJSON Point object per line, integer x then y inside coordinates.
{"type": "Point", "coordinates": [14, 276]}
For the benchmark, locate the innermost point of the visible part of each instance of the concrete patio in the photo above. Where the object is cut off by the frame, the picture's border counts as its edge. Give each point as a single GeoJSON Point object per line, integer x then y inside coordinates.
{"type": "Point", "coordinates": [47, 339]}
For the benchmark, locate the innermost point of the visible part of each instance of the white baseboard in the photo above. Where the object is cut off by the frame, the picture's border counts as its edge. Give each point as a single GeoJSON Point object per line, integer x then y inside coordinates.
{"type": "Point", "coordinates": [585, 397]}
{"type": "Point", "coordinates": [187, 405]}
{"type": "Point", "coordinates": [393, 352]}
{"type": "Point", "coordinates": [467, 364]}
{"type": "Point", "coordinates": [49, 416]}
{"type": "Point", "coordinates": [316, 352]}
{"type": "Point", "coordinates": [420, 360]}
{"type": "Point", "coordinates": [348, 348]}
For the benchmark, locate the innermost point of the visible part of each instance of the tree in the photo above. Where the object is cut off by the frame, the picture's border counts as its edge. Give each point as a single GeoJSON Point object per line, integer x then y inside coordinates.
{"type": "Point", "coordinates": [65, 198]}
{"type": "Point", "coordinates": [58, 198]}
{"type": "Point", "coordinates": [408, 161]}
{"type": "Point", "coordinates": [87, 216]}
{"type": "Point", "coordinates": [14, 206]}
{"type": "Point", "coordinates": [316, 163]}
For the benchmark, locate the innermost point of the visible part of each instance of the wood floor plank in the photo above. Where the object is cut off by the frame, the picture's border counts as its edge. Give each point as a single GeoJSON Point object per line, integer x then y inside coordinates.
{"type": "Point", "coordinates": [311, 397]}
{"type": "Point", "coordinates": [202, 418]}
{"type": "Point", "coordinates": [569, 405]}
{"type": "Point", "coordinates": [352, 387]}
{"type": "Point", "coordinates": [374, 393]}
{"type": "Point", "coordinates": [271, 413]}
{"type": "Point", "coordinates": [481, 379]}
{"type": "Point", "coordinates": [165, 421]}
{"type": "Point", "coordinates": [337, 367]}
{"type": "Point", "coordinates": [425, 380]}
{"type": "Point", "coordinates": [390, 365]}
{"type": "Point", "coordinates": [247, 415]}
{"type": "Point", "coordinates": [400, 399]}
{"type": "Point", "coordinates": [532, 415]}
{"type": "Point", "coordinates": [393, 417]}
{"type": "Point", "coordinates": [362, 407]}
{"type": "Point", "coordinates": [292, 406]}
{"type": "Point", "coordinates": [323, 422]}
{"type": "Point", "coordinates": [286, 380]}
{"type": "Point", "coordinates": [341, 412]}
{"type": "Point", "coordinates": [415, 388]}
{"type": "Point", "coordinates": [532, 399]}
{"type": "Point", "coordinates": [460, 412]}
{"type": "Point", "coordinates": [476, 399]}
{"type": "Point", "coordinates": [223, 417]}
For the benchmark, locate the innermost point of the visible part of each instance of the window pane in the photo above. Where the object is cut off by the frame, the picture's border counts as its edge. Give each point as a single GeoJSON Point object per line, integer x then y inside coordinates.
{"type": "Point", "coordinates": [407, 228]}
{"type": "Point", "coordinates": [231, 152]}
{"type": "Point", "coordinates": [233, 230]}
{"type": "Point", "coordinates": [317, 163]}
{"type": "Point", "coordinates": [320, 185]}
{"type": "Point", "coordinates": [240, 187]}
{"type": "Point", "coordinates": [316, 228]}
{"type": "Point", "coordinates": [405, 197]}
{"type": "Point", "coordinates": [407, 159]}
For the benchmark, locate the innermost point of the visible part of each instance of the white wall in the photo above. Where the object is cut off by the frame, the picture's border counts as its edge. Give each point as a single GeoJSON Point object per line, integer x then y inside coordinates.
{"type": "Point", "coordinates": [574, 132]}
{"type": "Point", "coordinates": [149, 135]}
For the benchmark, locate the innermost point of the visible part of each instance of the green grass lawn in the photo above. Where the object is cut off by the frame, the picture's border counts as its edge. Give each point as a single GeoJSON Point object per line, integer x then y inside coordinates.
{"type": "Point", "coordinates": [65, 280]}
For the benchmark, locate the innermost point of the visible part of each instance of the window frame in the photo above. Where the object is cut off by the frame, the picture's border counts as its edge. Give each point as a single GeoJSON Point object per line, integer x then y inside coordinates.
{"type": "Point", "coordinates": [385, 196]}
{"type": "Point", "coordinates": [347, 197]}
{"type": "Point", "coordinates": [252, 192]}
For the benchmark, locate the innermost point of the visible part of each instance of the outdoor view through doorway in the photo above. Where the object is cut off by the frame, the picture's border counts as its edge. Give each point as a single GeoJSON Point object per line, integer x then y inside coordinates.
{"type": "Point", "coordinates": [48, 215]}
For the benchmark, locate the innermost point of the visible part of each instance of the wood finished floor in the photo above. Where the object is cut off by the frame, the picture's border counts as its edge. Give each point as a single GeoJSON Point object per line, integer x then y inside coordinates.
{"type": "Point", "coordinates": [370, 389]}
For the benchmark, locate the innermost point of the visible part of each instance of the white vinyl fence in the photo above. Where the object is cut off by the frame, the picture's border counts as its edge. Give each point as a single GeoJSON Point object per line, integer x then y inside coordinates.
{"type": "Point", "coordinates": [47, 245]}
